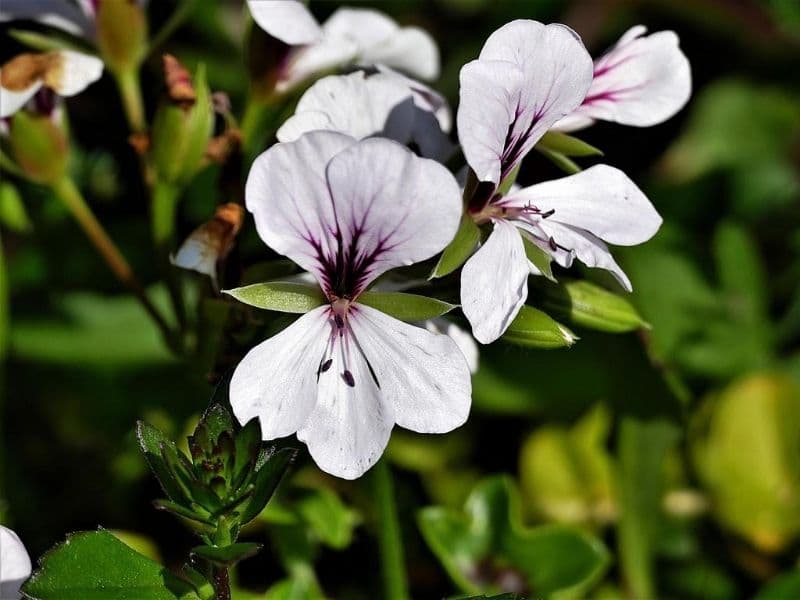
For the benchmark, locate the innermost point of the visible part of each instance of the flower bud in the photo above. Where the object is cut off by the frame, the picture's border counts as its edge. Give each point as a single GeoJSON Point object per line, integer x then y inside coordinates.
{"type": "Point", "coordinates": [121, 34]}
{"type": "Point", "coordinates": [39, 147]}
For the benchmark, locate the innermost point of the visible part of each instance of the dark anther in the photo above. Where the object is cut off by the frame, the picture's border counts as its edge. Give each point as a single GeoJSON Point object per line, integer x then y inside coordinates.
{"type": "Point", "coordinates": [339, 321]}
{"type": "Point", "coordinates": [553, 245]}
{"type": "Point", "coordinates": [326, 365]}
{"type": "Point", "coordinates": [348, 379]}
{"type": "Point", "coordinates": [548, 213]}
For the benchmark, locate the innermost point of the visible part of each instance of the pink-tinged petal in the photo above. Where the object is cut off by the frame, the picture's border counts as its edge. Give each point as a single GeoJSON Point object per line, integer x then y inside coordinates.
{"type": "Point", "coordinates": [349, 428]}
{"type": "Point", "coordinates": [423, 375]}
{"type": "Point", "coordinates": [61, 14]}
{"type": "Point", "coordinates": [642, 81]}
{"type": "Point", "coordinates": [75, 71]}
{"type": "Point", "coordinates": [287, 20]}
{"type": "Point", "coordinates": [494, 283]}
{"type": "Point", "coordinates": [601, 200]}
{"type": "Point", "coordinates": [392, 209]}
{"type": "Point", "coordinates": [356, 105]}
{"type": "Point", "coordinates": [308, 62]}
{"type": "Point", "coordinates": [556, 73]}
{"type": "Point", "coordinates": [15, 564]}
{"type": "Point", "coordinates": [12, 100]}
{"type": "Point", "coordinates": [277, 380]}
{"type": "Point", "coordinates": [287, 192]}
{"type": "Point", "coordinates": [587, 248]}
{"type": "Point", "coordinates": [489, 99]}
{"type": "Point", "coordinates": [381, 41]}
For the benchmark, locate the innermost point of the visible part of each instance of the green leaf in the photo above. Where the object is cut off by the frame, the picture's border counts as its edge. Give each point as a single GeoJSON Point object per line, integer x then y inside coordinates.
{"type": "Point", "coordinates": [406, 307]}
{"type": "Point", "coordinates": [540, 259]}
{"type": "Point", "coordinates": [282, 296]}
{"type": "Point", "coordinates": [536, 329]}
{"type": "Point", "coordinates": [181, 511]}
{"type": "Point", "coordinates": [97, 566]}
{"type": "Point", "coordinates": [266, 481]}
{"type": "Point", "coordinates": [590, 306]}
{"type": "Point", "coordinates": [555, 141]}
{"type": "Point", "coordinates": [782, 587]}
{"type": "Point", "coordinates": [562, 162]}
{"type": "Point", "coordinates": [328, 517]}
{"type": "Point", "coordinates": [151, 441]}
{"type": "Point", "coordinates": [459, 249]}
{"type": "Point", "coordinates": [229, 555]}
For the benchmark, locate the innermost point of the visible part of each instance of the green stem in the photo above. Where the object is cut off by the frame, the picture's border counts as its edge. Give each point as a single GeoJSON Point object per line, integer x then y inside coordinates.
{"type": "Point", "coordinates": [175, 20]}
{"type": "Point", "coordinates": [69, 194]}
{"type": "Point", "coordinates": [163, 214]}
{"type": "Point", "coordinates": [252, 122]}
{"type": "Point", "coordinates": [131, 94]}
{"type": "Point", "coordinates": [393, 569]}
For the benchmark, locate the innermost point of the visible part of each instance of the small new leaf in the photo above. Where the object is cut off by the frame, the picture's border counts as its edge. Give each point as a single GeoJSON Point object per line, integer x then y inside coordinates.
{"type": "Point", "coordinates": [458, 250]}
{"type": "Point", "coordinates": [406, 307]}
{"type": "Point", "coordinates": [151, 441]}
{"type": "Point", "coordinates": [537, 329]}
{"type": "Point", "coordinates": [281, 296]}
{"type": "Point", "coordinates": [227, 556]}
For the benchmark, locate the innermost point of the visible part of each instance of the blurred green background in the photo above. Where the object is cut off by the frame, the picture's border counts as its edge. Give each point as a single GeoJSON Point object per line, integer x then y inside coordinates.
{"type": "Point", "coordinates": [678, 447]}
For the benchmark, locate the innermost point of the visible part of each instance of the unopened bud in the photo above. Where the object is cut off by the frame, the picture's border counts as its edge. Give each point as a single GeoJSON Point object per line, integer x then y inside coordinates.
{"type": "Point", "coordinates": [39, 147]}
{"type": "Point", "coordinates": [121, 34]}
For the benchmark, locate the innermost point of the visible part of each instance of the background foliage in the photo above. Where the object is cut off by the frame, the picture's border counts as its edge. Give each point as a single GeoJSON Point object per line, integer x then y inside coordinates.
{"type": "Point", "coordinates": [677, 447]}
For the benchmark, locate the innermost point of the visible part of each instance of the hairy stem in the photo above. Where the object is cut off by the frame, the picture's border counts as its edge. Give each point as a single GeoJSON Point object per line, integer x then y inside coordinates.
{"type": "Point", "coordinates": [393, 568]}
{"type": "Point", "coordinates": [69, 194]}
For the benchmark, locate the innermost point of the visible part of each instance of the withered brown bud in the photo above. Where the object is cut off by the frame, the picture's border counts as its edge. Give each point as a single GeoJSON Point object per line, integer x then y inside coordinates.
{"type": "Point", "coordinates": [222, 146]}
{"type": "Point", "coordinates": [140, 142]}
{"type": "Point", "coordinates": [179, 82]}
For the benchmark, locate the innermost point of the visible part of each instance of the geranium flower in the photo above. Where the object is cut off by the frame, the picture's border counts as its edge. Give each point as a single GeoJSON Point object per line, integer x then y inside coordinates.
{"type": "Point", "coordinates": [344, 373]}
{"type": "Point", "coordinates": [529, 76]}
{"type": "Point", "coordinates": [642, 81]}
{"type": "Point", "coordinates": [15, 564]}
{"type": "Point", "coordinates": [351, 36]}
{"type": "Point", "coordinates": [384, 104]}
{"type": "Point", "coordinates": [63, 71]}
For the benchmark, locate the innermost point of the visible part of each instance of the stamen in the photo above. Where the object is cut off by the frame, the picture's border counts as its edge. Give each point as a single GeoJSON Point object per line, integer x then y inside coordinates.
{"type": "Point", "coordinates": [553, 245]}
{"type": "Point", "coordinates": [326, 365]}
{"type": "Point", "coordinates": [348, 378]}
{"type": "Point", "coordinates": [549, 213]}
{"type": "Point", "coordinates": [339, 321]}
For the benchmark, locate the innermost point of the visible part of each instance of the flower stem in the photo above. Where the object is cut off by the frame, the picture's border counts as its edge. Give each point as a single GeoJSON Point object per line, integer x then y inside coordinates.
{"type": "Point", "coordinates": [131, 93]}
{"type": "Point", "coordinates": [69, 194]}
{"type": "Point", "coordinates": [222, 583]}
{"type": "Point", "coordinates": [163, 214]}
{"type": "Point", "coordinates": [393, 569]}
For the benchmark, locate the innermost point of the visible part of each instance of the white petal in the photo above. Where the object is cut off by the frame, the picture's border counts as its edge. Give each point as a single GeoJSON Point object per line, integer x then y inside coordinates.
{"type": "Point", "coordinates": [73, 72]}
{"type": "Point", "coordinates": [601, 200]}
{"type": "Point", "coordinates": [277, 380]}
{"type": "Point", "coordinates": [494, 283]}
{"type": "Point", "coordinates": [423, 375]}
{"type": "Point", "coordinates": [288, 20]}
{"type": "Point", "coordinates": [381, 41]}
{"type": "Point", "coordinates": [393, 208]}
{"type": "Point", "coordinates": [15, 564]}
{"type": "Point", "coordinates": [489, 97]}
{"type": "Point", "coordinates": [12, 100]}
{"type": "Point", "coordinates": [556, 73]}
{"type": "Point", "coordinates": [462, 338]}
{"type": "Point", "coordinates": [60, 14]}
{"type": "Point", "coordinates": [288, 195]}
{"type": "Point", "coordinates": [425, 97]}
{"type": "Point", "coordinates": [642, 81]}
{"type": "Point", "coordinates": [588, 249]}
{"type": "Point", "coordinates": [349, 428]}
{"type": "Point", "coordinates": [356, 105]}
{"type": "Point", "coordinates": [307, 62]}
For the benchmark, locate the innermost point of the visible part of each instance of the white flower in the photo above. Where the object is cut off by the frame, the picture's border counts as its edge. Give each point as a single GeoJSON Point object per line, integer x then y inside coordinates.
{"type": "Point", "coordinates": [15, 564]}
{"type": "Point", "coordinates": [64, 71]}
{"type": "Point", "coordinates": [642, 81]}
{"type": "Point", "coordinates": [351, 36]}
{"type": "Point", "coordinates": [343, 374]}
{"type": "Point", "coordinates": [75, 18]}
{"type": "Point", "coordinates": [384, 104]}
{"type": "Point", "coordinates": [528, 76]}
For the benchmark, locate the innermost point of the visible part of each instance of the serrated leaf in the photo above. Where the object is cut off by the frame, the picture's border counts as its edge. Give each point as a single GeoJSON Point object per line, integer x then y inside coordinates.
{"type": "Point", "coordinates": [151, 440]}
{"type": "Point", "coordinates": [406, 307]}
{"type": "Point", "coordinates": [562, 162]}
{"type": "Point", "coordinates": [216, 420]}
{"type": "Point", "coordinates": [227, 556]}
{"type": "Point", "coordinates": [282, 296]}
{"type": "Point", "coordinates": [96, 565]}
{"type": "Point", "coordinates": [459, 249]}
{"type": "Point", "coordinates": [536, 329]}
{"type": "Point", "coordinates": [591, 306]}
{"type": "Point", "coordinates": [555, 141]}
{"type": "Point", "coordinates": [266, 481]}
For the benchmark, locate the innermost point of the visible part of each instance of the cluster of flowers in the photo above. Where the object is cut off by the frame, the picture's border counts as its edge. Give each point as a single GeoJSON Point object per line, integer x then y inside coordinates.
{"type": "Point", "coordinates": [345, 198]}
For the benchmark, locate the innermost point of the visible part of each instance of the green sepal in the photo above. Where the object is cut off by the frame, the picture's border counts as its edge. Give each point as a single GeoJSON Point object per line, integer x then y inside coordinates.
{"type": "Point", "coordinates": [406, 307]}
{"type": "Point", "coordinates": [563, 162]}
{"type": "Point", "coordinates": [227, 556]}
{"type": "Point", "coordinates": [459, 249]}
{"type": "Point", "coordinates": [281, 296]}
{"type": "Point", "coordinates": [536, 329]}
{"type": "Point", "coordinates": [540, 259]}
{"type": "Point", "coordinates": [564, 144]}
